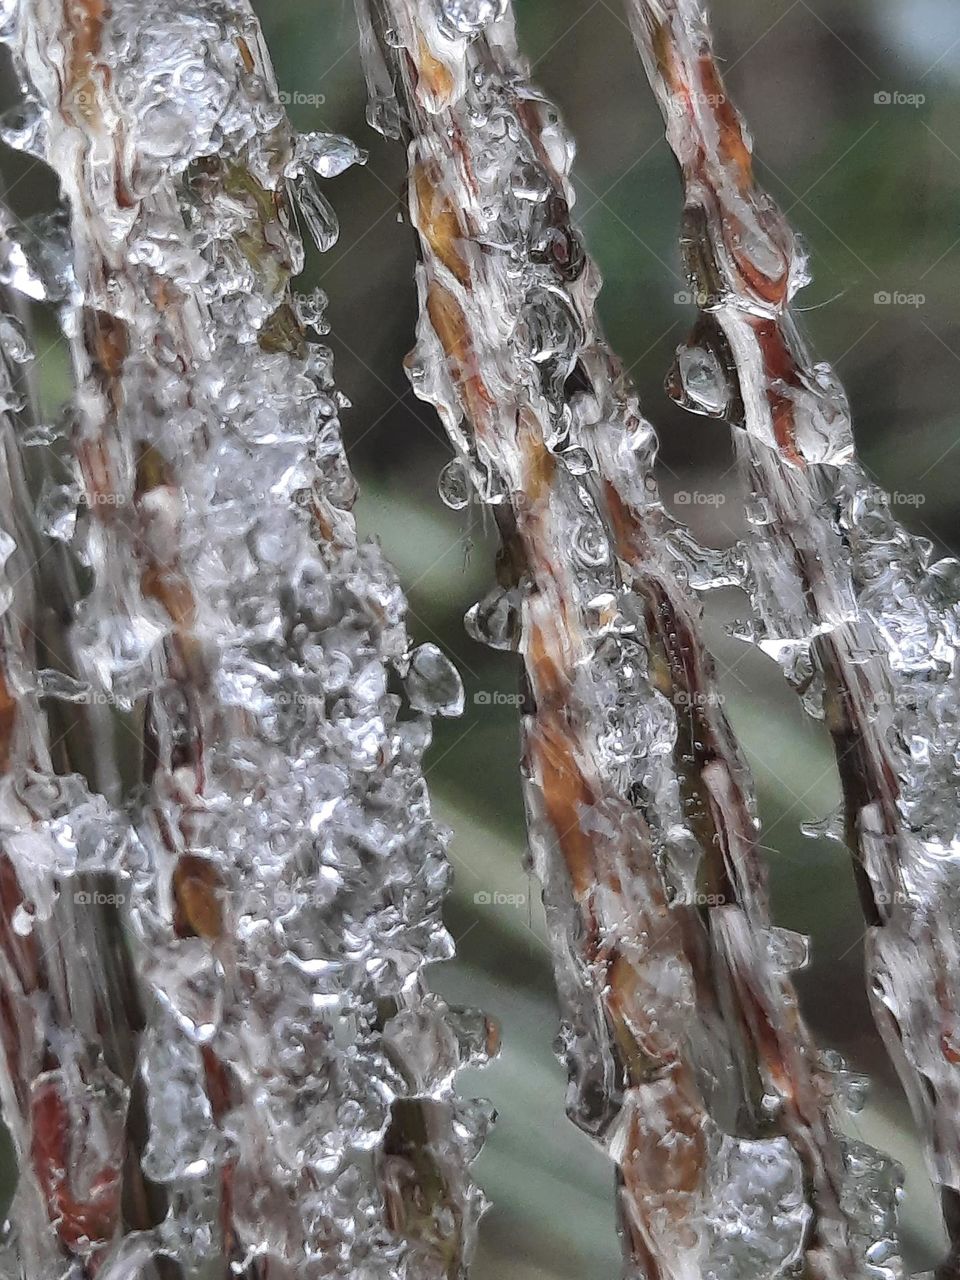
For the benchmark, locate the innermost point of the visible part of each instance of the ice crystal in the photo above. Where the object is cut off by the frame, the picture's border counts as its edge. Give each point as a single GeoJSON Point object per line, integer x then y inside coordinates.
{"type": "Point", "coordinates": [225, 1050]}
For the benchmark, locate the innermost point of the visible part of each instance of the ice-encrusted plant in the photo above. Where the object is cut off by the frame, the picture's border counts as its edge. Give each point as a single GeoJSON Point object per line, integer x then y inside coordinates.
{"type": "Point", "coordinates": [687, 1056]}
{"type": "Point", "coordinates": [862, 618]}
{"type": "Point", "coordinates": [220, 882]}
{"type": "Point", "coordinates": [220, 1056]}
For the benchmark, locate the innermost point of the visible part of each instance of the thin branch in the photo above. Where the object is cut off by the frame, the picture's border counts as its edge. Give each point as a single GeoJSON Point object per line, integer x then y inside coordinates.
{"type": "Point", "coordinates": [863, 622]}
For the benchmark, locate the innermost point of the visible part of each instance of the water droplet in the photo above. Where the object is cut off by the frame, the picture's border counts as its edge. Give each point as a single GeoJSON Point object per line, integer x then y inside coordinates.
{"type": "Point", "coordinates": [579, 462]}
{"type": "Point", "coordinates": [495, 620]}
{"type": "Point", "coordinates": [327, 154]}
{"type": "Point", "coordinates": [317, 211]}
{"type": "Point", "coordinates": [454, 485]}
{"type": "Point", "coordinates": [703, 386]}
{"type": "Point", "coordinates": [469, 17]}
{"type": "Point", "coordinates": [433, 683]}
{"type": "Point", "coordinates": [14, 341]}
{"type": "Point", "coordinates": [57, 510]}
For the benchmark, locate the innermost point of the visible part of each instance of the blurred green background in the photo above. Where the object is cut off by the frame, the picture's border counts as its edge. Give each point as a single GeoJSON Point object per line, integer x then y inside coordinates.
{"type": "Point", "coordinates": [874, 186]}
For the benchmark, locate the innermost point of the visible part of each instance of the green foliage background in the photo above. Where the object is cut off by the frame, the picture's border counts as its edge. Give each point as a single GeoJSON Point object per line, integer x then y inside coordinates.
{"type": "Point", "coordinates": [875, 189]}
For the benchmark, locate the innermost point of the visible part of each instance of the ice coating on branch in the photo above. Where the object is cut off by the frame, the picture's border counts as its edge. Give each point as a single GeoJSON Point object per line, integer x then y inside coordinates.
{"type": "Point", "coordinates": [255, 1078]}
{"type": "Point", "coordinates": [687, 1058]}
{"type": "Point", "coordinates": [863, 619]}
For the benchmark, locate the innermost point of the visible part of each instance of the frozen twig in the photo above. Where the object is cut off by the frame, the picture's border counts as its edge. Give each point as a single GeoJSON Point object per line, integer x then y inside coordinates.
{"type": "Point", "coordinates": [863, 621]}
{"type": "Point", "coordinates": [687, 1056]}
{"type": "Point", "coordinates": [285, 1103]}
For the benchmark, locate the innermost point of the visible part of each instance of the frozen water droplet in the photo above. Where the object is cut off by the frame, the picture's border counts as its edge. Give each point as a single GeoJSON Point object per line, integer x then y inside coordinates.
{"type": "Point", "coordinates": [454, 485]}
{"type": "Point", "coordinates": [758, 511]}
{"type": "Point", "coordinates": [528, 182]}
{"type": "Point", "coordinates": [829, 828]}
{"type": "Point", "coordinates": [788, 951]}
{"type": "Point", "coordinates": [703, 386]}
{"type": "Point", "coordinates": [57, 510]}
{"type": "Point", "coordinates": [495, 620]}
{"type": "Point", "coordinates": [469, 17]}
{"type": "Point", "coordinates": [433, 683]}
{"type": "Point", "coordinates": [317, 211]}
{"type": "Point", "coordinates": [23, 128]}
{"type": "Point", "coordinates": [579, 462]}
{"type": "Point", "coordinates": [327, 154]}
{"type": "Point", "coordinates": [14, 341]}
{"type": "Point", "coordinates": [311, 310]}
{"type": "Point", "coordinates": [22, 921]}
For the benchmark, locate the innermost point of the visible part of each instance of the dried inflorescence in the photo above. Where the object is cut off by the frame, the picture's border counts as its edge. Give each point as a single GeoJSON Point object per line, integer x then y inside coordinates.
{"type": "Point", "coordinates": [687, 1056]}
{"type": "Point", "coordinates": [863, 620]}
{"type": "Point", "coordinates": [241, 1062]}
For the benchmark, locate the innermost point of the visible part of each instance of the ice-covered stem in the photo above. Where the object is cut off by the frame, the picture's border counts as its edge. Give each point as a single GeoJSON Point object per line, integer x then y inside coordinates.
{"type": "Point", "coordinates": [680, 1019]}
{"type": "Point", "coordinates": [291, 1081]}
{"type": "Point", "coordinates": [68, 1013]}
{"type": "Point", "coordinates": [861, 619]}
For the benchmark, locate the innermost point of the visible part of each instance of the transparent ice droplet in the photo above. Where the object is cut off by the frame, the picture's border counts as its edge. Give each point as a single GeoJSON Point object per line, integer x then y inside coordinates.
{"type": "Point", "coordinates": [454, 485]}
{"type": "Point", "coordinates": [528, 182]}
{"type": "Point", "coordinates": [850, 1088]}
{"type": "Point", "coordinates": [11, 401]}
{"type": "Point", "coordinates": [579, 462]}
{"type": "Point", "coordinates": [495, 620]}
{"type": "Point", "coordinates": [7, 547]}
{"type": "Point", "coordinates": [311, 309]}
{"type": "Point", "coordinates": [469, 17]}
{"type": "Point", "coordinates": [22, 921]}
{"type": "Point", "coordinates": [57, 510]}
{"type": "Point", "coordinates": [327, 154]}
{"type": "Point", "coordinates": [23, 127]}
{"type": "Point", "coordinates": [941, 583]}
{"type": "Point", "coordinates": [433, 683]}
{"type": "Point", "coordinates": [14, 340]}
{"type": "Point", "coordinates": [703, 383]}
{"type": "Point", "coordinates": [788, 951]}
{"type": "Point", "coordinates": [317, 211]}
